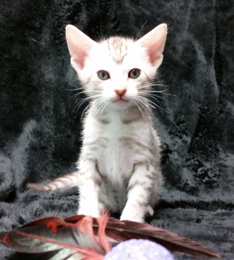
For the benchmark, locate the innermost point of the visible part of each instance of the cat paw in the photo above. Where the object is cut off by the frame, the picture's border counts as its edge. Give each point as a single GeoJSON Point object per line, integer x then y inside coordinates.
{"type": "Point", "coordinates": [149, 211]}
{"type": "Point", "coordinates": [132, 218]}
{"type": "Point", "coordinates": [101, 207]}
{"type": "Point", "coordinates": [91, 213]}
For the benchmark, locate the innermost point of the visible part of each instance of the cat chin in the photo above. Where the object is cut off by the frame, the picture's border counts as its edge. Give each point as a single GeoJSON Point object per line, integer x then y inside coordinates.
{"type": "Point", "coordinates": [120, 101]}
{"type": "Point", "coordinates": [120, 104]}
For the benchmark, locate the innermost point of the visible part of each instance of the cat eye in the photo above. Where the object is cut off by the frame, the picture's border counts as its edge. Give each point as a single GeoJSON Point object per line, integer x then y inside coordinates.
{"type": "Point", "coordinates": [103, 75]}
{"type": "Point", "coordinates": [134, 73]}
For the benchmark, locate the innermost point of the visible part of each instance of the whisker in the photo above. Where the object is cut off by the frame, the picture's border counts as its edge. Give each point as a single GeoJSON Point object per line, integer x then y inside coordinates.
{"type": "Point", "coordinates": [74, 96]}
{"type": "Point", "coordinates": [163, 92]}
{"type": "Point", "coordinates": [156, 96]}
{"type": "Point", "coordinates": [150, 102]}
{"type": "Point", "coordinates": [98, 105]}
{"type": "Point", "coordinates": [89, 105]}
{"type": "Point", "coordinates": [146, 109]}
{"type": "Point", "coordinates": [84, 92]}
{"type": "Point", "coordinates": [160, 108]}
{"type": "Point", "coordinates": [73, 89]}
{"type": "Point", "coordinates": [138, 106]}
{"type": "Point", "coordinates": [151, 85]}
{"type": "Point", "coordinates": [101, 105]}
{"type": "Point", "coordinates": [105, 105]}
{"type": "Point", "coordinates": [152, 91]}
{"type": "Point", "coordinates": [81, 102]}
{"type": "Point", "coordinates": [143, 103]}
{"type": "Point", "coordinates": [79, 105]}
{"type": "Point", "coordinates": [81, 88]}
{"type": "Point", "coordinates": [141, 29]}
{"type": "Point", "coordinates": [158, 85]}
{"type": "Point", "coordinates": [146, 102]}
{"type": "Point", "coordinates": [92, 97]}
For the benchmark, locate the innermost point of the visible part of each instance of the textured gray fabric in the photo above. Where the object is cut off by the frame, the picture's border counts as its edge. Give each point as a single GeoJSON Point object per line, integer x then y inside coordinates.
{"type": "Point", "coordinates": [40, 121]}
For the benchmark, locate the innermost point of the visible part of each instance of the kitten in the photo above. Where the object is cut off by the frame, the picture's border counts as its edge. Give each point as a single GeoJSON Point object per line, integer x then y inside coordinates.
{"type": "Point", "coordinates": [119, 164]}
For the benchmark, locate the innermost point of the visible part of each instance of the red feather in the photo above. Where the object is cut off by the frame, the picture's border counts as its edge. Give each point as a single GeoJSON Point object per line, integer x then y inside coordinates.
{"type": "Point", "coordinates": [90, 238]}
{"type": "Point", "coordinates": [102, 222]}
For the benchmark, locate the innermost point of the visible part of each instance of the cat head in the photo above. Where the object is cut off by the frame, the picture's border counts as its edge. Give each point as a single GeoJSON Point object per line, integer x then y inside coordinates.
{"type": "Point", "coordinates": [116, 71]}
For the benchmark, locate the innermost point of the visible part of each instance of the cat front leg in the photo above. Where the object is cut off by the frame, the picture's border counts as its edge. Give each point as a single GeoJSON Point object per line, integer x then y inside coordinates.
{"type": "Point", "coordinates": [89, 186]}
{"type": "Point", "coordinates": [139, 193]}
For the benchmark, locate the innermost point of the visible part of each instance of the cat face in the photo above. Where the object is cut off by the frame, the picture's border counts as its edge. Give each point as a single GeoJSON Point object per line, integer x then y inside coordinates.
{"type": "Point", "coordinates": [116, 71]}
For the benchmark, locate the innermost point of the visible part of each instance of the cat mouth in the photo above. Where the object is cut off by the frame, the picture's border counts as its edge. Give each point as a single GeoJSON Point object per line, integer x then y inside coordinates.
{"type": "Point", "coordinates": [120, 100]}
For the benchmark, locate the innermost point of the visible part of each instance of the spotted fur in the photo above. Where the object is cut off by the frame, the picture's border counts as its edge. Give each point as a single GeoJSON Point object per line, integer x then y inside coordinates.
{"type": "Point", "coordinates": [119, 164]}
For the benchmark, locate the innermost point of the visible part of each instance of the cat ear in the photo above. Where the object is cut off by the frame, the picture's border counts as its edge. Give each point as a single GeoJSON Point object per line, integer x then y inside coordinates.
{"type": "Point", "coordinates": [154, 42]}
{"type": "Point", "coordinates": [79, 45]}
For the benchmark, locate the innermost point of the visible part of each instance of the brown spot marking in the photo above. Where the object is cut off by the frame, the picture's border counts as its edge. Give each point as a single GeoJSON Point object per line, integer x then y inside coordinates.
{"type": "Point", "coordinates": [104, 178]}
{"type": "Point", "coordinates": [150, 176]}
{"type": "Point", "coordinates": [100, 142]}
{"type": "Point", "coordinates": [130, 187]}
{"type": "Point", "coordinates": [143, 88]}
{"type": "Point", "coordinates": [142, 204]}
{"type": "Point", "coordinates": [147, 188]}
{"type": "Point", "coordinates": [133, 116]}
{"type": "Point", "coordinates": [103, 121]}
{"type": "Point", "coordinates": [144, 163]}
{"type": "Point", "coordinates": [130, 141]}
{"type": "Point", "coordinates": [127, 122]}
{"type": "Point", "coordinates": [147, 167]}
{"type": "Point", "coordinates": [81, 173]}
{"type": "Point", "coordinates": [144, 185]}
{"type": "Point", "coordinates": [97, 169]}
{"type": "Point", "coordinates": [88, 80]}
{"type": "Point", "coordinates": [97, 181]}
{"type": "Point", "coordinates": [125, 179]}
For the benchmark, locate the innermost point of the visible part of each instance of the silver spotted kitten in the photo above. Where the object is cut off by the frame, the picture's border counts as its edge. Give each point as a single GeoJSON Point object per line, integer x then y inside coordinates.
{"type": "Point", "coordinates": [119, 164]}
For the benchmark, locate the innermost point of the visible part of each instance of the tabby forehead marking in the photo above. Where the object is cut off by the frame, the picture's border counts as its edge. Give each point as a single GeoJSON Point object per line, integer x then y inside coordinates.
{"type": "Point", "coordinates": [118, 49]}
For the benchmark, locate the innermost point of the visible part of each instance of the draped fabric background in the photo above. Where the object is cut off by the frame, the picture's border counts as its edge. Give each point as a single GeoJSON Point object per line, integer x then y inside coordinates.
{"type": "Point", "coordinates": [40, 121]}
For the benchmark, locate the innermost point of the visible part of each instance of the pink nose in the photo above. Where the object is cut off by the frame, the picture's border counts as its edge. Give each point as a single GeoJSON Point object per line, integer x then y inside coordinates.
{"type": "Point", "coordinates": [120, 92]}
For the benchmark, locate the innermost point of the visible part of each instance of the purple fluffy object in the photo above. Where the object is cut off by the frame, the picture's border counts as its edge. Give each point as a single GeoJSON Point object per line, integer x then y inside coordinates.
{"type": "Point", "coordinates": [138, 249]}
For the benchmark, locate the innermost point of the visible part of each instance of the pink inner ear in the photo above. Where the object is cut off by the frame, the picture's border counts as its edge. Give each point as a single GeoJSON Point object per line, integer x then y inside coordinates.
{"type": "Point", "coordinates": [154, 42]}
{"type": "Point", "coordinates": [80, 58]}
{"type": "Point", "coordinates": [79, 46]}
{"type": "Point", "coordinates": [154, 54]}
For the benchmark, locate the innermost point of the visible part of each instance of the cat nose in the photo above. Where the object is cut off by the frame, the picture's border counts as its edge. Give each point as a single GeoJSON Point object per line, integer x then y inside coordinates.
{"type": "Point", "coordinates": [120, 92]}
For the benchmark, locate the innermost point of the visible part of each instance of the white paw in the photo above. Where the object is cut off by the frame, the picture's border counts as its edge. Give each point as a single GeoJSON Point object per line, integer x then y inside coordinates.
{"type": "Point", "coordinates": [132, 218]}
{"type": "Point", "coordinates": [102, 207]}
{"type": "Point", "coordinates": [89, 212]}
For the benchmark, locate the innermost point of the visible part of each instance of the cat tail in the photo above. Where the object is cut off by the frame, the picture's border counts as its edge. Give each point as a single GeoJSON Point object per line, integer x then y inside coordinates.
{"type": "Point", "coordinates": [63, 182]}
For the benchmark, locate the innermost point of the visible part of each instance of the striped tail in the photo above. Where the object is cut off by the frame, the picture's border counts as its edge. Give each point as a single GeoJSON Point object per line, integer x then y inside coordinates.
{"type": "Point", "coordinates": [63, 182]}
